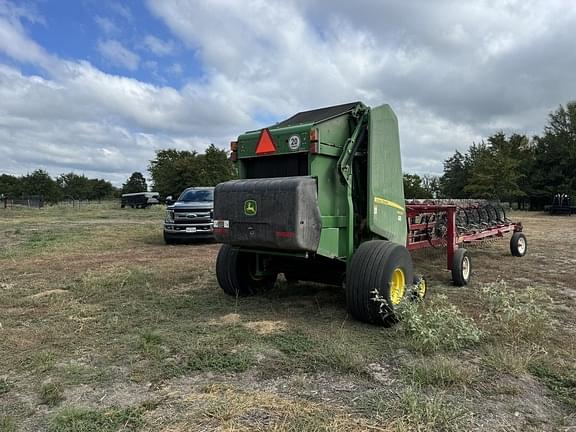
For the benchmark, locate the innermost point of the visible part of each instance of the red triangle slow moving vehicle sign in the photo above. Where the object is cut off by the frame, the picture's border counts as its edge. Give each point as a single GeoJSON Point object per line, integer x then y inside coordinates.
{"type": "Point", "coordinates": [265, 143]}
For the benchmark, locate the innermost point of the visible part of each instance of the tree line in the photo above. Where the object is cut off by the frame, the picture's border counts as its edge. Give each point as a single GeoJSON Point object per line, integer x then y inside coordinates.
{"type": "Point", "coordinates": [513, 168]}
{"type": "Point", "coordinates": [171, 171]}
{"type": "Point", "coordinates": [65, 186]}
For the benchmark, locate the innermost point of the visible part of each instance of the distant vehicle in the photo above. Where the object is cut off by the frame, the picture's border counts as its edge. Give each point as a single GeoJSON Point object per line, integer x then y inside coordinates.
{"type": "Point", "coordinates": [561, 204]}
{"type": "Point", "coordinates": [140, 199]}
{"type": "Point", "coordinates": [191, 216]}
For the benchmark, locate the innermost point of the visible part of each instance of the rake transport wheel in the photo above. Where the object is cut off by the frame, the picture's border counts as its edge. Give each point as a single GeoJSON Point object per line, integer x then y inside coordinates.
{"type": "Point", "coordinates": [461, 267]}
{"type": "Point", "coordinates": [420, 288]}
{"type": "Point", "coordinates": [380, 266]}
{"type": "Point", "coordinates": [237, 273]}
{"type": "Point", "coordinates": [518, 244]}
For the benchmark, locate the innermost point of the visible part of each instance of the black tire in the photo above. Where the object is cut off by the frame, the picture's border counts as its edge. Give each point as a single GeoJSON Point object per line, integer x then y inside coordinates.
{"type": "Point", "coordinates": [518, 244]}
{"type": "Point", "coordinates": [461, 267]}
{"type": "Point", "coordinates": [235, 272]}
{"type": "Point", "coordinates": [122, 205]}
{"type": "Point", "coordinates": [168, 239]}
{"type": "Point", "coordinates": [371, 269]}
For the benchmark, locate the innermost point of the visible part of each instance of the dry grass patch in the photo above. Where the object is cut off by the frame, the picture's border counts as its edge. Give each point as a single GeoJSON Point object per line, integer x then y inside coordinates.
{"type": "Point", "coordinates": [91, 420]}
{"type": "Point", "coordinates": [440, 371]}
{"type": "Point", "coordinates": [559, 378]}
{"type": "Point", "coordinates": [520, 316]}
{"type": "Point", "coordinates": [225, 408]}
{"type": "Point", "coordinates": [510, 359]}
{"type": "Point", "coordinates": [267, 327]}
{"type": "Point", "coordinates": [7, 424]}
{"type": "Point", "coordinates": [138, 314]}
{"type": "Point", "coordinates": [414, 409]}
{"type": "Point", "coordinates": [51, 393]}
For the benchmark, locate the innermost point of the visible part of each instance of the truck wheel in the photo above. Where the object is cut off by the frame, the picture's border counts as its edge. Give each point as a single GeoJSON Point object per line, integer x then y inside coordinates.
{"type": "Point", "coordinates": [379, 269]}
{"type": "Point", "coordinates": [168, 239]}
{"type": "Point", "coordinates": [461, 267]}
{"type": "Point", "coordinates": [236, 273]}
{"type": "Point", "coordinates": [518, 244]}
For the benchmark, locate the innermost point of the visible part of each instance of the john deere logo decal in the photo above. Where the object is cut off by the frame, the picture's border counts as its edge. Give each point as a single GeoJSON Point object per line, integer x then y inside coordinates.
{"type": "Point", "coordinates": [250, 207]}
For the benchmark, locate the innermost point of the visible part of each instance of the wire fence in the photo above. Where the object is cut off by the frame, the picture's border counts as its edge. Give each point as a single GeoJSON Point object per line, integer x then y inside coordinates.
{"type": "Point", "coordinates": [38, 202]}
{"type": "Point", "coordinates": [33, 201]}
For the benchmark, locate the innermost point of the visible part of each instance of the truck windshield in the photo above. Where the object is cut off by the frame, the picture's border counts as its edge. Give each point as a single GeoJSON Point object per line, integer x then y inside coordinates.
{"type": "Point", "coordinates": [197, 196]}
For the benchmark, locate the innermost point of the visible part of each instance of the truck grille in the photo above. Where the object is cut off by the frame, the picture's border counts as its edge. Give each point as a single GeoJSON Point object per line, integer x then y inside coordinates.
{"type": "Point", "coordinates": [191, 217]}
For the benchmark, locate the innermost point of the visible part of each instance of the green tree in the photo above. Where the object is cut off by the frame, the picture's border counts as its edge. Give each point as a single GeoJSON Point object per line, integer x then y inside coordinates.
{"type": "Point", "coordinates": [174, 170]}
{"type": "Point", "coordinates": [10, 185]}
{"type": "Point", "coordinates": [516, 167]}
{"type": "Point", "coordinates": [456, 175]}
{"type": "Point", "coordinates": [516, 155]}
{"type": "Point", "coordinates": [555, 156]}
{"type": "Point", "coordinates": [135, 183]}
{"type": "Point", "coordinates": [413, 188]}
{"type": "Point", "coordinates": [431, 184]}
{"type": "Point", "coordinates": [218, 167]}
{"type": "Point", "coordinates": [40, 183]}
{"type": "Point", "coordinates": [74, 186]}
{"type": "Point", "coordinates": [494, 170]}
{"type": "Point", "coordinates": [100, 189]}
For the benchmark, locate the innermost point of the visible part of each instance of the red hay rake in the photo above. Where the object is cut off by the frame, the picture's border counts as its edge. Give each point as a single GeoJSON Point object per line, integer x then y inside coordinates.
{"type": "Point", "coordinates": [432, 225]}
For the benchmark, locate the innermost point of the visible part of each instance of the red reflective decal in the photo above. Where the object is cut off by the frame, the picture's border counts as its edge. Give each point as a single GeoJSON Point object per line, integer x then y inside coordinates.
{"type": "Point", "coordinates": [265, 143]}
{"type": "Point", "coordinates": [285, 234]}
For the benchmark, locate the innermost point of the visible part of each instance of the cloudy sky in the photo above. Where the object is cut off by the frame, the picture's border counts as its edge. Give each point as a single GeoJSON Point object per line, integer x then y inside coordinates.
{"type": "Point", "coordinates": [95, 87]}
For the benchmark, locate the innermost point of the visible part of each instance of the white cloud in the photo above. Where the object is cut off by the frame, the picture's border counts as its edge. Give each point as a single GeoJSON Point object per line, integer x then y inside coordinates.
{"type": "Point", "coordinates": [158, 46]}
{"type": "Point", "coordinates": [106, 25]}
{"type": "Point", "coordinates": [453, 71]}
{"type": "Point", "coordinates": [15, 42]}
{"type": "Point", "coordinates": [121, 10]}
{"type": "Point", "coordinates": [58, 127]}
{"type": "Point", "coordinates": [462, 68]}
{"type": "Point", "coordinates": [175, 69]}
{"type": "Point", "coordinates": [20, 11]}
{"type": "Point", "coordinates": [118, 55]}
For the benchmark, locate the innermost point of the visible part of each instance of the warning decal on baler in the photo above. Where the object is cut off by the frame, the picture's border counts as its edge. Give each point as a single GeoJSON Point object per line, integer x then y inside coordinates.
{"type": "Point", "coordinates": [265, 143]}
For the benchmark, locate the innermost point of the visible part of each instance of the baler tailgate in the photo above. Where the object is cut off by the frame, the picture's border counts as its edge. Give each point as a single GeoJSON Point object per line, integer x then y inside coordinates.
{"type": "Point", "coordinates": [273, 213]}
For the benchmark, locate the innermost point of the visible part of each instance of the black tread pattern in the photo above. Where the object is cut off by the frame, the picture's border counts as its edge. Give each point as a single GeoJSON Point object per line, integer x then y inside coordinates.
{"type": "Point", "coordinates": [226, 269]}
{"type": "Point", "coordinates": [457, 267]}
{"type": "Point", "coordinates": [371, 268]}
{"type": "Point", "coordinates": [514, 244]}
{"type": "Point", "coordinates": [233, 274]}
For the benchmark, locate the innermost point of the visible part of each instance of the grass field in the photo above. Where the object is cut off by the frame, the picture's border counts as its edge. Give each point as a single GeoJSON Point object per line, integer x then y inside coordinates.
{"type": "Point", "coordinates": [105, 328]}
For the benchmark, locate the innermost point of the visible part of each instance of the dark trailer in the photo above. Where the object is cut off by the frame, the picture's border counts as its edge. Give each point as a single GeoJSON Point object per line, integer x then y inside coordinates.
{"type": "Point", "coordinates": [561, 204]}
{"type": "Point", "coordinates": [140, 199]}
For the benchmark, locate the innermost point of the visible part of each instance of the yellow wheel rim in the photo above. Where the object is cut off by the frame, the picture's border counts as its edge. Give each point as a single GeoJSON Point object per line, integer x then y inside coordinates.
{"type": "Point", "coordinates": [422, 288]}
{"type": "Point", "coordinates": [397, 286]}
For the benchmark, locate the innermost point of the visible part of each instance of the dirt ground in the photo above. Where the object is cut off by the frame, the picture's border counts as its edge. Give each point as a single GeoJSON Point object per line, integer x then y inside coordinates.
{"type": "Point", "coordinates": [105, 328]}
